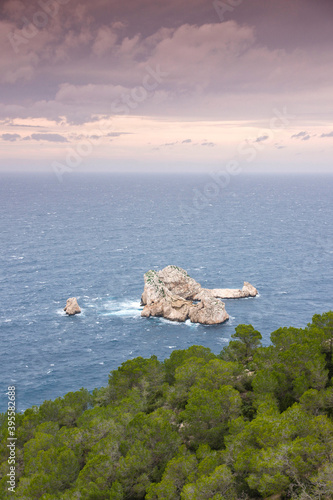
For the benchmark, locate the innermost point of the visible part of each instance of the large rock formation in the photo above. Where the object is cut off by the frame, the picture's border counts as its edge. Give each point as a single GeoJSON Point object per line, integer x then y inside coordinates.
{"type": "Point", "coordinates": [174, 295]}
{"type": "Point", "coordinates": [72, 307]}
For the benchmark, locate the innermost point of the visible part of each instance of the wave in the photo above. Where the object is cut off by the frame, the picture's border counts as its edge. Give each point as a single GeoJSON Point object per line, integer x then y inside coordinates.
{"type": "Point", "coordinates": [130, 308]}
{"type": "Point", "coordinates": [223, 340]}
{"type": "Point", "coordinates": [61, 312]}
{"type": "Point", "coordinates": [169, 322]}
{"type": "Point", "coordinates": [188, 322]}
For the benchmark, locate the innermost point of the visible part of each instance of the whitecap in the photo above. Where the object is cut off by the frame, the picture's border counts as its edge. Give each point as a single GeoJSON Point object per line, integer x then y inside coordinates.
{"type": "Point", "coordinates": [168, 321]}
{"type": "Point", "coordinates": [188, 322]}
{"type": "Point", "coordinates": [172, 346]}
{"type": "Point", "coordinates": [61, 312]}
{"type": "Point", "coordinates": [123, 308]}
{"type": "Point", "coordinates": [126, 312]}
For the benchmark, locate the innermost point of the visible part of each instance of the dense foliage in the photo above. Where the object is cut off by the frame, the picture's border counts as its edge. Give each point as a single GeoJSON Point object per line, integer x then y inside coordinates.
{"type": "Point", "coordinates": [249, 423]}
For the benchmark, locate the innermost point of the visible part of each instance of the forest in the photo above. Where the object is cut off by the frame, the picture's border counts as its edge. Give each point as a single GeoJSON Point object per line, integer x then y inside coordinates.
{"type": "Point", "coordinates": [251, 422]}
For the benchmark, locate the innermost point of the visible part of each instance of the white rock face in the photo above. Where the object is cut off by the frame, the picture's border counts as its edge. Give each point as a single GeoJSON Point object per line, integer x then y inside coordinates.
{"type": "Point", "coordinates": [179, 282]}
{"type": "Point", "coordinates": [227, 293]}
{"type": "Point", "coordinates": [72, 307]}
{"type": "Point", "coordinates": [170, 293]}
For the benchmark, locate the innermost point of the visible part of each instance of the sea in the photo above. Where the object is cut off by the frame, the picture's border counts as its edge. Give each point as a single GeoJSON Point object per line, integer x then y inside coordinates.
{"type": "Point", "coordinates": [93, 236]}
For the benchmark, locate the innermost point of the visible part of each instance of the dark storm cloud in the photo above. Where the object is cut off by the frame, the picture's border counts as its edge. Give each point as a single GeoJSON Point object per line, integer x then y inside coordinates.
{"type": "Point", "coordinates": [89, 55]}
{"type": "Point", "coordinates": [278, 23]}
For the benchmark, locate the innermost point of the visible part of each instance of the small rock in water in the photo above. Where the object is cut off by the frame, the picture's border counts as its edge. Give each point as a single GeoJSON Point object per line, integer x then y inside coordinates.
{"type": "Point", "coordinates": [72, 307]}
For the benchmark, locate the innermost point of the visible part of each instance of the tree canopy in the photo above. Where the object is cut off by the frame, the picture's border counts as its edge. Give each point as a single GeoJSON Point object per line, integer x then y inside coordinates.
{"type": "Point", "coordinates": [250, 422]}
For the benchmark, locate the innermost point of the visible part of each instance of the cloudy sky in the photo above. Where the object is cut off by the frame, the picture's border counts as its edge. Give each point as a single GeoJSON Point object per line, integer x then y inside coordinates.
{"type": "Point", "coordinates": [166, 85]}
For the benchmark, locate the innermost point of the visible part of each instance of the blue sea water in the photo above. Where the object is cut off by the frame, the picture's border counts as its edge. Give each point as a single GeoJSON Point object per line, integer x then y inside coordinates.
{"type": "Point", "coordinates": [94, 236]}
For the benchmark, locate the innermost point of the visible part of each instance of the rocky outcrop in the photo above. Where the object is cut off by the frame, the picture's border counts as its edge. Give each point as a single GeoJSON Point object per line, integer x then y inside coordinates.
{"type": "Point", "coordinates": [248, 290]}
{"type": "Point", "coordinates": [174, 295]}
{"type": "Point", "coordinates": [209, 311]}
{"type": "Point", "coordinates": [72, 307]}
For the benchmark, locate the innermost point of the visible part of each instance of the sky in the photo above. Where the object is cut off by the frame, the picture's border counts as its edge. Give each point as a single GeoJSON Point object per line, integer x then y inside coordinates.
{"type": "Point", "coordinates": [182, 85]}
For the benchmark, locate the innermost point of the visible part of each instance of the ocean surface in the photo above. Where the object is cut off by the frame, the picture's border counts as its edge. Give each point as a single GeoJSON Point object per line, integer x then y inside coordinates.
{"type": "Point", "coordinates": [94, 236]}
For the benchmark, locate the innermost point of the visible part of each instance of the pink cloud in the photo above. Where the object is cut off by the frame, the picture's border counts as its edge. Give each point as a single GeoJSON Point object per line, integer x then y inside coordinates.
{"type": "Point", "coordinates": [104, 41]}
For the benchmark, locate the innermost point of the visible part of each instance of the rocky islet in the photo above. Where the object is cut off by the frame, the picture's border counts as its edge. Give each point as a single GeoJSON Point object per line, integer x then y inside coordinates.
{"type": "Point", "coordinates": [172, 294]}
